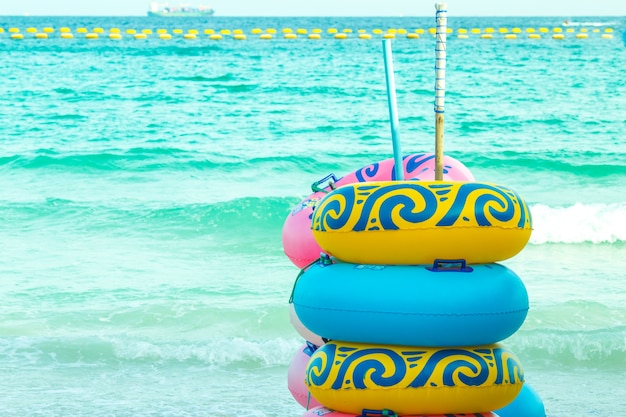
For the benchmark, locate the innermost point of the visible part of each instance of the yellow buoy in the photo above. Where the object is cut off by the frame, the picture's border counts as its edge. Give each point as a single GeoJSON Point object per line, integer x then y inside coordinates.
{"type": "Point", "coordinates": [596, 30]}
{"type": "Point", "coordinates": [161, 31]}
{"type": "Point", "coordinates": [503, 30]}
{"type": "Point", "coordinates": [65, 30]}
{"type": "Point", "coordinates": [581, 36]}
{"type": "Point", "coordinates": [413, 36]}
{"type": "Point", "coordinates": [31, 30]}
{"type": "Point", "coordinates": [389, 35]}
{"type": "Point", "coordinates": [489, 30]}
{"type": "Point", "coordinates": [607, 36]}
{"type": "Point", "coordinates": [131, 31]}
{"type": "Point", "coordinates": [115, 30]}
{"type": "Point", "coordinates": [115, 36]}
{"type": "Point", "coordinates": [290, 36]}
{"type": "Point", "coordinates": [81, 30]}
{"type": "Point", "coordinates": [516, 30]}
{"type": "Point", "coordinates": [361, 31]}
{"type": "Point", "coordinates": [147, 31]}
{"type": "Point", "coordinates": [332, 31]}
{"type": "Point", "coordinates": [1, 30]}
{"type": "Point", "coordinates": [140, 36]}
{"type": "Point", "coordinates": [608, 30]}
{"type": "Point", "coordinates": [570, 30]}
{"type": "Point", "coordinates": [462, 31]}
{"type": "Point", "coordinates": [377, 31]}
{"type": "Point", "coordinates": [558, 36]}
{"type": "Point", "coordinates": [286, 30]}
{"type": "Point", "coordinates": [41, 36]}
{"type": "Point", "coordinates": [195, 32]}
{"type": "Point", "coordinates": [17, 36]}
{"type": "Point", "coordinates": [91, 35]}
{"type": "Point", "coordinates": [239, 37]}
{"type": "Point", "coordinates": [530, 30]}
{"type": "Point", "coordinates": [189, 36]}
{"type": "Point", "coordinates": [544, 30]}
{"type": "Point", "coordinates": [315, 36]}
{"type": "Point", "coordinates": [14, 30]}
{"type": "Point", "coordinates": [255, 31]}
{"type": "Point", "coordinates": [67, 35]}
{"type": "Point", "coordinates": [266, 36]}
{"type": "Point", "coordinates": [301, 31]}
{"type": "Point", "coordinates": [225, 32]}
{"type": "Point", "coordinates": [420, 31]}
{"type": "Point", "coordinates": [432, 31]}
{"type": "Point", "coordinates": [557, 30]}
{"type": "Point", "coordinates": [48, 30]}
{"type": "Point", "coordinates": [209, 32]}
{"type": "Point", "coordinates": [215, 37]}
{"type": "Point", "coordinates": [271, 31]}
{"type": "Point", "coordinates": [486, 36]}
{"type": "Point", "coordinates": [347, 31]}
{"type": "Point", "coordinates": [392, 30]}
{"type": "Point", "coordinates": [475, 31]}
{"type": "Point", "coordinates": [317, 30]}
{"type": "Point", "coordinates": [584, 30]}
{"type": "Point", "coordinates": [341, 36]}
{"type": "Point", "coordinates": [510, 36]}
{"type": "Point", "coordinates": [177, 31]}
{"type": "Point", "coordinates": [165, 36]}
{"type": "Point", "coordinates": [98, 30]}
{"type": "Point", "coordinates": [534, 36]}
{"type": "Point", "coordinates": [463, 36]}
{"type": "Point", "coordinates": [365, 36]}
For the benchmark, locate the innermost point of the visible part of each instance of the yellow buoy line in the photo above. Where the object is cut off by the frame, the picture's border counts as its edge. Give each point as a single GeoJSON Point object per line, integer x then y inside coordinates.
{"type": "Point", "coordinates": [315, 33]}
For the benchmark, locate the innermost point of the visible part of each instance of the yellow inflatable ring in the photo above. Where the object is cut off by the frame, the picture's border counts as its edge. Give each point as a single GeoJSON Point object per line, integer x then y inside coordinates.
{"type": "Point", "coordinates": [418, 222]}
{"type": "Point", "coordinates": [351, 377]}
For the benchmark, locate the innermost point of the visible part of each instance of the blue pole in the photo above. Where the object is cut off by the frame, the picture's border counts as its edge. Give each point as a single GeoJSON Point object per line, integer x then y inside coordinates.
{"type": "Point", "coordinates": [393, 111]}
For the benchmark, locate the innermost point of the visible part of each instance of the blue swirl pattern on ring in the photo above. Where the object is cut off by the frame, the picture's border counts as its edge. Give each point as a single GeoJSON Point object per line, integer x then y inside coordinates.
{"type": "Point", "coordinates": [388, 205]}
{"type": "Point", "coordinates": [414, 164]}
{"type": "Point", "coordinates": [348, 367]}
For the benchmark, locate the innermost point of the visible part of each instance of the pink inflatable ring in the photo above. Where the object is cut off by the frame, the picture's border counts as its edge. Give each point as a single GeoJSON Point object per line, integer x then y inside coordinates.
{"type": "Point", "coordinates": [298, 242]}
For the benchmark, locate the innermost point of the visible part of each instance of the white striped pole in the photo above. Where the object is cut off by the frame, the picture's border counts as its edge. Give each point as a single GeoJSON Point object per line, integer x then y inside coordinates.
{"type": "Point", "coordinates": [440, 85]}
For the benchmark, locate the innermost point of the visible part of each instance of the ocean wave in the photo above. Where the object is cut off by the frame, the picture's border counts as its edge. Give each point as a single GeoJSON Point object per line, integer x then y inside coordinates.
{"type": "Point", "coordinates": [201, 78]}
{"type": "Point", "coordinates": [581, 163]}
{"type": "Point", "coordinates": [84, 351]}
{"type": "Point", "coordinates": [236, 88]}
{"type": "Point", "coordinates": [579, 223]}
{"type": "Point", "coordinates": [136, 159]}
{"type": "Point", "coordinates": [597, 348]}
{"type": "Point", "coordinates": [248, 219]}
{"type": "Point", "coordinates": [170, 158]}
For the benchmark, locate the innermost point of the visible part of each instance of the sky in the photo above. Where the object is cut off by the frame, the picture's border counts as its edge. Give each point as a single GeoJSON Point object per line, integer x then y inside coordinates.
{"type": "Point", "coordinates": [561, 8]}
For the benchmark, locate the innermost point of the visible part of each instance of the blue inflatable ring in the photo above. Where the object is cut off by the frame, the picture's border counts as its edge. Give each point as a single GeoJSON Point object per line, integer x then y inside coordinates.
{"type": "Point", "coordinates": [449, 304]}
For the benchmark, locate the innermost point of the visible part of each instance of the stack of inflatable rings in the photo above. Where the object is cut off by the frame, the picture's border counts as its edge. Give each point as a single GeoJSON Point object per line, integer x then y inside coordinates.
{"type": "Point", "coordinates": [409, 295]}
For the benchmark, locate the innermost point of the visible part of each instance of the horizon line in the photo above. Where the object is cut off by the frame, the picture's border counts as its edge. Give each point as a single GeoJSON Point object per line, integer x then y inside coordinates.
{"type": "Point", "coordinates": [27, 14]}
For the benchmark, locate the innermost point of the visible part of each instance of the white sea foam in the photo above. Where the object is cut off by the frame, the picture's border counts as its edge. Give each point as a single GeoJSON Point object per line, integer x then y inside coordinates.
{"type": "Point", "coordinates": [579, 223]}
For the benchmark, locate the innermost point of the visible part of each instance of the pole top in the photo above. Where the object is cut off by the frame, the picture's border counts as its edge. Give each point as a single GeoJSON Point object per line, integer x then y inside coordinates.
{"type": "Point", "coordinates": [441, 6]}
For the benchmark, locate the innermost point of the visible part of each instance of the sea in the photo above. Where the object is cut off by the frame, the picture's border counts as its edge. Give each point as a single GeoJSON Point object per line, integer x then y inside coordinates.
{"type": "Point", "coordinates": [144, 185]}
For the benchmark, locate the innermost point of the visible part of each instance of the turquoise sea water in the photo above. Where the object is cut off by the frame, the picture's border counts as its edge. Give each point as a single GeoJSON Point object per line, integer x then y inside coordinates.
{"type": "Point", "coordinates": [144, 185]}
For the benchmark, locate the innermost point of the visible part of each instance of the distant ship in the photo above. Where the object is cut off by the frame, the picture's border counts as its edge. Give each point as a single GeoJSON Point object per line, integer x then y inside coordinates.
{"type": "Point", "coordinates": [163, 10]}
